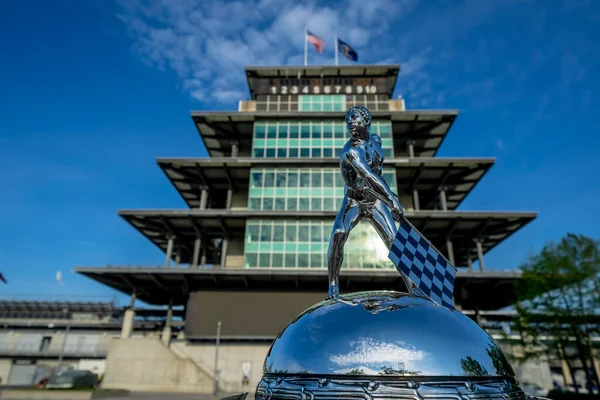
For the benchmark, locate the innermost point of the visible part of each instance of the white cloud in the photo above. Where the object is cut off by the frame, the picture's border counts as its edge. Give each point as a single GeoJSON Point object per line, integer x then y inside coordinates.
{"type": "Point", "coordinates": [208, 43]}
{"type": "Point", "coordinates": [369, 353]}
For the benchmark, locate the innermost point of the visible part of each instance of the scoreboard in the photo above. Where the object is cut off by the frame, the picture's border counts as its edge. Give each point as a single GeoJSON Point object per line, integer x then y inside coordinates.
{"type": "Point", "coordinates": [325, 85]}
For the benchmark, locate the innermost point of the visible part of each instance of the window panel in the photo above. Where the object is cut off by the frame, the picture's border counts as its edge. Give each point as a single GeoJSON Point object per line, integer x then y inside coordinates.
{"type": "Point", "coordinates": [308, 249]}
{"type": "Point", "coordinates": [319, 189]}
{"type": "Point", "coordinates": [317, 139]}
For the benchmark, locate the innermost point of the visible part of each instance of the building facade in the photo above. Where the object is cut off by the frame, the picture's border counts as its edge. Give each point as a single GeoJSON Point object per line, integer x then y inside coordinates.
{"type": "Point", "coordinates": [249, 253]}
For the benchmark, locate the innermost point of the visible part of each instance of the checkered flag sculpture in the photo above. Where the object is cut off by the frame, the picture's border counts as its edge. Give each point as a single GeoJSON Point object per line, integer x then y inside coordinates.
{"type": "Point", "coordinates": [418, 260]}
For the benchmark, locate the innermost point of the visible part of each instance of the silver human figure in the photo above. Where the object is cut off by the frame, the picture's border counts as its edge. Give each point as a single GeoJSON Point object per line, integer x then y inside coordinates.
{"type": "Point", "coordinates": [367, 195]}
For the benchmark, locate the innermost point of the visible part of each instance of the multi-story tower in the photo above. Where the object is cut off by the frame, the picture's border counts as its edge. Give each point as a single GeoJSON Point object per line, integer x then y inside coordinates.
{"type": "Point", "coordinates": [251, 249]}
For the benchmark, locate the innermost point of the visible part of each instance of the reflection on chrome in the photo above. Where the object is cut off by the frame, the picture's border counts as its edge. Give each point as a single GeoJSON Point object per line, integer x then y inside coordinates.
{"type": "Point", "coordinates": [367, 353]}
{"type": "Point", "coordinates": [412, 337]}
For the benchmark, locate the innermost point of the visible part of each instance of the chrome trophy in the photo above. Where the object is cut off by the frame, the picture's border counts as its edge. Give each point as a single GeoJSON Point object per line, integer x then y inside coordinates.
{"type": "Point", "coordinates": [412, 344]}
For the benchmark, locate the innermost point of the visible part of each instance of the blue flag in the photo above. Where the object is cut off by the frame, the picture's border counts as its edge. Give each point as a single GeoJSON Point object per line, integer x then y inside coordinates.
{"type": "Point", "coordinates": [347, 50]}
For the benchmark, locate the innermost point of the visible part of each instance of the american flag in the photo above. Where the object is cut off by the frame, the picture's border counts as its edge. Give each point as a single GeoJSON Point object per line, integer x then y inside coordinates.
{"type": "Point", "coordinates": [316, 41]}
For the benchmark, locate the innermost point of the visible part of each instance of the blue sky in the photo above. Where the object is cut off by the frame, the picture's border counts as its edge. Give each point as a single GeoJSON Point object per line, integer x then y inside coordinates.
{"type": "Point", "coordinates": [92, 92]}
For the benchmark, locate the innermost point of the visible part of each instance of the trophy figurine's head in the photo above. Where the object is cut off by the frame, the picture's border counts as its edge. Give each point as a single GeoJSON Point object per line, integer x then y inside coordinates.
{"type": "Point", "coordinates": [358, 121]}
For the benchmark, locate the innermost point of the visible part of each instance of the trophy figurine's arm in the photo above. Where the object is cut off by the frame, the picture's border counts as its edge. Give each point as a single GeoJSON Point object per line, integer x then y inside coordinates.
{"type": "Point", "coordinates": [376, 184]}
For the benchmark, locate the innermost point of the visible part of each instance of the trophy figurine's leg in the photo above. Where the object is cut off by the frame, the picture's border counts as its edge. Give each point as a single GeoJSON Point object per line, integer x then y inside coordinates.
{"type": "Point", "coordinates": [382, 221]}
{"type": "Point", "coordinates": [346, 219]}
{"type": "Point", "coordinates": [384, 224]}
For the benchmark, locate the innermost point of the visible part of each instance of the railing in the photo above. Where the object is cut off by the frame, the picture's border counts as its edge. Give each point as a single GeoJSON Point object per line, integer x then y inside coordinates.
{"type": "Point", "coordinates": [19, 349]}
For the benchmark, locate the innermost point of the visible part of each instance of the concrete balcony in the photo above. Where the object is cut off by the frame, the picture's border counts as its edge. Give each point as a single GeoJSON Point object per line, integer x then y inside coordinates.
{"type": "Point", "coordinates": [25, 350]}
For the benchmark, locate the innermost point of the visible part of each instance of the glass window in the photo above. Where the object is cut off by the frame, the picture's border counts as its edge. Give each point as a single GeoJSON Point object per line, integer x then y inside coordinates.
{"type": "Point", "coordinates": [317, 138]}
{"type": "Point", "coordinates": [265, 233]}
{"type": "Point", "coordinates": [281, 179]}
{"type": "Point", "coordinates": [268, 203]}
{"type": "Point", "coordinates": [301, 244]}
{"type": "Point", "coordinates": [292, 180]}
{"type": "Point", "coordinates": [277, 261]}
{"type": "Point", "coordinates": [259, 130]}
{"type": "Point", "coordinates": [253, 231]}
{"type": "Point", "coordinates": [280, 204]}
{"type": "Point", "coordinates": [269, 179]}
{"type": "Point", "coordinates": [292, 204]}
{"type": "Point", "coordinates": [257, 179]}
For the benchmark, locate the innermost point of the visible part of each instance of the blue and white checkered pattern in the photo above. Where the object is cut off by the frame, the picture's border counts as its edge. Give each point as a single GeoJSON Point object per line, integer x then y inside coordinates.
{"type": "Point", "coordinates": [416, 258]}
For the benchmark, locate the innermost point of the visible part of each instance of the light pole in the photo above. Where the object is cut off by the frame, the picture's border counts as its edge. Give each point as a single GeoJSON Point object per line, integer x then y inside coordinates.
{"type": "Point", "coordinates": [62, 350]}
{"type": "Point", "coordinates": [215, 375]}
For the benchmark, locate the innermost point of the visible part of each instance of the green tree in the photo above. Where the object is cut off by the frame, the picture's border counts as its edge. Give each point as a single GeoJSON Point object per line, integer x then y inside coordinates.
{"type": "Point", "coordinates": [556, 297]}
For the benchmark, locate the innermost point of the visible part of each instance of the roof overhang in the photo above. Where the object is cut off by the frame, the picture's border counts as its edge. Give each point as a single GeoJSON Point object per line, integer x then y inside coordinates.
{"type": "Point", "coordinates": [485, 290]}
{"type": "Point", "coordinates": [426, 129]}
{"type": "Point", "coordinates": [186, 225]}
{"type": "Point", "coordinates": [457, 176]}
{"type": "Point", "coordinates": [321, 71]}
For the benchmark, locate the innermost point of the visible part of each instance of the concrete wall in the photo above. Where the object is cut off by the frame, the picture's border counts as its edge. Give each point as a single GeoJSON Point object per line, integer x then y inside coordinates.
{"type": "Point", "coordinates": [231, 358]}
{"type": "Point", "coordinates": [5, 365]}
{"type": "Point", "coordinates": [239, 201]}
{"type": "Point", "coordinates": [235, 253]}
{"type": "Point", "coordinates": [148, 365]}
{"type": "Point", "coordinates": [30, 341]}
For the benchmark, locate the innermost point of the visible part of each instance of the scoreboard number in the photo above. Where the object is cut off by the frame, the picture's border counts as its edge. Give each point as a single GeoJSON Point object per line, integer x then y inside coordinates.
{"type": "Point", "coordinates": [318, 89]}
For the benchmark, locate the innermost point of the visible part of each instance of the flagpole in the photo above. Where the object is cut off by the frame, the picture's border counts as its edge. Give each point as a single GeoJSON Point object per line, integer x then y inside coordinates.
{"type": "Point", "coordinates": [336, 50]}
{"type": "Point", "coordinates": [305, 47]}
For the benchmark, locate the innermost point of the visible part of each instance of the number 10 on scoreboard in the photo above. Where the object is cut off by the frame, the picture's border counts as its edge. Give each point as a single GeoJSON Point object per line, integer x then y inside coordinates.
{"type": "Point", "coordinates": [328, 89]}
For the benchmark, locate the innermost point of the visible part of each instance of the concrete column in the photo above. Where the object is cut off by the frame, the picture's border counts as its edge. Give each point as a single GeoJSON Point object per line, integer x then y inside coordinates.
{"type": "Point", "coordinates": [132, 299]}
{"type": "Point", "coordinates": [411, 149]}
{"type": "Point", "coordinates": [177, 260]}
{"type": "Point", "coordinates": [203, 199]}
{"type": "Point", "coordinates": [477, 316]}
{"type": "Point", "coordinates": [480, 255]}
{"type": "Point", "coordinates": [470, 264]}
{"type": "Point", "coordinates": [564, 366]}
{"type": "Point", "coordinates": [234, 149]}
{"type": "Point", "coordinates": [224, 246]}
{"type": "Point", "coordinates": [166, 333]}
{"type": "Point", "coordinates": [229, 198]}
{"type": "Point", "coordinates": [170, 244]}
{"type": "Point", "coordinates": [196, 256]}
{"type": "Point", "coordinates": [594, 357]}
{"type": "Point", "coordinates": [203, 258]}
{"type": "Point", "coordinates": [450, 251]}
{"type": "Point", "coordinates": [416, 204]}
{"type": "Point", "coordinates": [443, 202]}
{"type": "Point", "coordinates": [127, 327]}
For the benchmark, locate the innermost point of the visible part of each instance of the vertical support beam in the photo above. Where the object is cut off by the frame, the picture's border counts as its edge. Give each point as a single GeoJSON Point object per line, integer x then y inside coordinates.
{"type": "Point", "coordinates": [564, 366]}
{"type": "Point", "coordinates": [469, 263]}
{"type": "Point", "coordinates": [443, 201]}
{"type": "Point", "coordinates": [177, 259]}
{"type": "Point", "coordinates": [196, 256]}
{"type": "Point", "coordinates": [234, 149]}
{"type": "Point", "coordinates": [229, 198]}
{"type": "Point", "coordinates": [416, 204]}
{"type": "Point", "coordinates": [170, 243]}
{"type": "Point", "coordinates": [132, 299]}
{"type": "Point", "coordinates": [480, 254]}
{"type": "Point", "coordinates": [203, 199]}
{"type": "Point", "coordinates": [477, 316]}
{"type": "Point", "coordinates": [128, 319]}
{"type": "Point", "coordinates": [450, 251]}
{"type": "Point", "coordinates": [166, 333]}
{"type": "Point", "coordinates": [411, 148]}
{"type": "Point", "coordinates": [203, 258]}
{"type": "Point", "coordinates": [224, 246]}
{"type": "Point", "coordinates": [594, 357]}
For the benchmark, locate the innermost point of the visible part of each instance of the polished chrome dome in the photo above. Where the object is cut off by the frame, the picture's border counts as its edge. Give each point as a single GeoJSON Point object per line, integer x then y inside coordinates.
{"type": "Point", "coordinates": [385, 334]}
